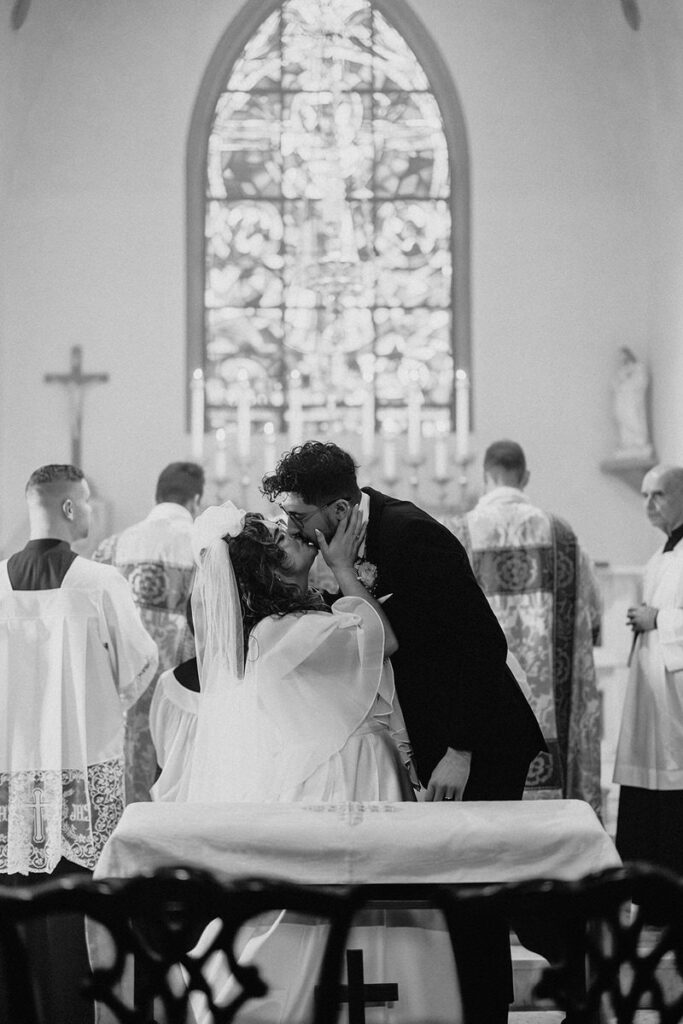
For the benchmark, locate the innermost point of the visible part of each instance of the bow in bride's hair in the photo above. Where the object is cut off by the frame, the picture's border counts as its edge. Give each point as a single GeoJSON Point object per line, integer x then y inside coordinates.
{"type": "Point", "coordinates": [215, 522]}
{"type": "Point", "coordinates": [216, 606]}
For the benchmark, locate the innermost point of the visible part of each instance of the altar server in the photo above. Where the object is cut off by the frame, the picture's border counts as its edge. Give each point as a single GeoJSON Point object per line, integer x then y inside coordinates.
{"type": "Point", "coordinates": [74, 654]}
{"type": "Point", "coordinates": [173, 724]}
{"type": "Point", "coordinates": [155, 556]}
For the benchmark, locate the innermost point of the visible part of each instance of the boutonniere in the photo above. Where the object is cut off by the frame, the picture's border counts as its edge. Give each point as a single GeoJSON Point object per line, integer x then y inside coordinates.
{"type": "Point", "coordinates": [366, 573]}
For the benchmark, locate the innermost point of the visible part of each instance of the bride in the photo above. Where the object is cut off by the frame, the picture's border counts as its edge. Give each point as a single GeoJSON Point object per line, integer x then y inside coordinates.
{"type": "Point", "coordinates": [297, 699]}
{"type": "Point", "coordinates": [297, 703]}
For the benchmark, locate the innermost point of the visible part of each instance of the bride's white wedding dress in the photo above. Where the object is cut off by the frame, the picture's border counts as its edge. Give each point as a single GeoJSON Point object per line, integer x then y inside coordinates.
{"type": "Point", "coordinates": [315, 719]}
{"type": "Point", "coordinates": [311, 720]}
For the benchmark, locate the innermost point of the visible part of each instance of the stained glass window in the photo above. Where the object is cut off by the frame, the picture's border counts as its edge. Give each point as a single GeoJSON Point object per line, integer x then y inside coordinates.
{"type": "Point", "coordinates": [328, 225]}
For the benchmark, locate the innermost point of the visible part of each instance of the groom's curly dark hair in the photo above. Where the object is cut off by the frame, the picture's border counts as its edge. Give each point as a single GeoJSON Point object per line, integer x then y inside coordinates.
{"type": "Point", "coordinates": [318, 471]}
{"type": "Point", "coordinates": [256, 558]}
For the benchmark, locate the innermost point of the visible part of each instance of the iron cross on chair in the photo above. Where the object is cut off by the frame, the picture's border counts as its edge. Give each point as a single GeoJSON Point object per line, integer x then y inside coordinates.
{"type": "Point", "coordinates": [75, 383]}
{"type": "Point", "coordinates": [359, 995]}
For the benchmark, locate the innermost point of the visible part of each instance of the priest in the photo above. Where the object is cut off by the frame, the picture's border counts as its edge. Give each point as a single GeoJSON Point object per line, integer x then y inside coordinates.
{"type": "Point", "coordinates": [75, 654]}
{"type": "Point", "coordinates": [649, 759]}
{"type": "Point", "coordinates": [542, 588]}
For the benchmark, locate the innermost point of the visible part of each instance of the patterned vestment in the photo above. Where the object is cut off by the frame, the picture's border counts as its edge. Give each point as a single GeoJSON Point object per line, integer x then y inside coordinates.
{"type": "Point", "coordinates": [543, 591]}
{"type": "Point", "coordinates": [155, 556]}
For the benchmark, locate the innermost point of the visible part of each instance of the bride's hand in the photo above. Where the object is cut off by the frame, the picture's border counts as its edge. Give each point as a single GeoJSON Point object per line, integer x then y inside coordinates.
{"type": "Point", "coordinates": [342, 550]}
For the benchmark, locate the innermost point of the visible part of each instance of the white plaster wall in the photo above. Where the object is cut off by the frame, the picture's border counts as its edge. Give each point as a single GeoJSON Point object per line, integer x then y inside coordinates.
{"type": "Point", "coordinates": [666, 168]}
{"type": "Point", "coordinates": [575, 128]}
{"type": "Point", "coordinates": [566, 176]}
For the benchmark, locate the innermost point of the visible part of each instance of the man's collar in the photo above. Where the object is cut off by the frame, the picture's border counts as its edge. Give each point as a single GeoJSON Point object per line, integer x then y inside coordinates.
{"type": "Point", "coordinates": [45, 543]}
{"type": "Point", "coordinates": [170, 510]}
{"type": "Point", "coordinates": [503, 493]}
{"type": "Point", "coordinates": [674, 537]}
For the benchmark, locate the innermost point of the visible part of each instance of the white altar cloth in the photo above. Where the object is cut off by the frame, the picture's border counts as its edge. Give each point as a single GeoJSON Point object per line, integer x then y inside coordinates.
{"type": "Point", "coordinates": [352, 843]}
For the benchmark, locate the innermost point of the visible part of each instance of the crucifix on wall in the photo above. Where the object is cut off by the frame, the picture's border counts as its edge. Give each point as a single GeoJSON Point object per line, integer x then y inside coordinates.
{"type": "Point", "coordinates": [75, 383]}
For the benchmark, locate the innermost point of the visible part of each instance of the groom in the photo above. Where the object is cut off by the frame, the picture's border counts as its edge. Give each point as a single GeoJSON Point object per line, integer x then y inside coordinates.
{"type": "Point", "coordinates": [472, 730]}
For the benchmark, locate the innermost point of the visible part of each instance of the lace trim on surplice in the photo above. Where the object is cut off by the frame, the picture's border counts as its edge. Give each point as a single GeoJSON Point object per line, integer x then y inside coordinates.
{"type": "Point", "coordinates": [47, 815]}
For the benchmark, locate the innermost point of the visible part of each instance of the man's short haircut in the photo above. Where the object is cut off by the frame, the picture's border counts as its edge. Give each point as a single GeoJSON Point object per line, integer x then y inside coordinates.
{"type": "Point", "coordinates": [505, 455]}
{"type": "Point", "coordinates": [180, 482]}
{"type": "Point", "coordinates": [317, 471]}
{"type": "Point", "coordinates": [53, 473]}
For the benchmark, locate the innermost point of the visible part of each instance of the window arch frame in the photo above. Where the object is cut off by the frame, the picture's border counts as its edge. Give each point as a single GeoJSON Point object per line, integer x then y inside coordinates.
{"type": "Point", "coordinates": [229, 48]}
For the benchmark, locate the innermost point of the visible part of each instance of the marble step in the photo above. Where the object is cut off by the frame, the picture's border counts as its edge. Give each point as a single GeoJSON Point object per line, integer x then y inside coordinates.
{"type": "Point", "coordinates": [526, 971]}
{"type": "Point", "coordinates": [527, 968]}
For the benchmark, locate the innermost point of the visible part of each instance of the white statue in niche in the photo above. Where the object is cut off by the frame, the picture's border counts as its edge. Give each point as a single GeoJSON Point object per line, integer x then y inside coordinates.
{"type": "Point", "coordinates": [630, 389]}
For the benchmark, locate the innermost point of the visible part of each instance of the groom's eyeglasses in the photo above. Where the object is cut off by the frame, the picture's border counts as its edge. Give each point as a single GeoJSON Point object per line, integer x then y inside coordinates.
{"type": "Point", "coordinates": [300, 518]}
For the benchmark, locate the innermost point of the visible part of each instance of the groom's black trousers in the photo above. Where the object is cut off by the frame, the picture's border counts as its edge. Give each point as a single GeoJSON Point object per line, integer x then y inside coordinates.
{"type": "Point", "coordinates": [482, 950]}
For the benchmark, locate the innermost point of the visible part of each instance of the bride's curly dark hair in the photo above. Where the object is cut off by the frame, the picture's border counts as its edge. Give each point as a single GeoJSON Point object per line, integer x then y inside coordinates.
{"type": "Point", "coordinates": [256, 560]}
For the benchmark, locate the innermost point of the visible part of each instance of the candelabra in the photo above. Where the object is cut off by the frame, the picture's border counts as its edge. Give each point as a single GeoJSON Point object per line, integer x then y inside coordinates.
{"type": "Point", "coordinates": [244, 482]}
{"type": "Point", "coordinates": [442, 480]}
{"type": "Point", "coordinates": [448, 485]}
{"type": "Point", "coordinates": [414, 460]}
{"type": "Point", "coordinates": [220, 488]}
{"type": "Point", "coordinates": [466, 497]}
{"type": "Point", "coordinates": [434, 474]}
{"type": "Point", "coordinates": [221, 481]}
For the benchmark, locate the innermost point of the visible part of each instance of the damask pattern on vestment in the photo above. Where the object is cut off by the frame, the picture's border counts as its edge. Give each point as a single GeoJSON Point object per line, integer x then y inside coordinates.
{"type": "Point", "coordinates": [158, 584]}
{"type": "Point", "coordinates": [535, 590]}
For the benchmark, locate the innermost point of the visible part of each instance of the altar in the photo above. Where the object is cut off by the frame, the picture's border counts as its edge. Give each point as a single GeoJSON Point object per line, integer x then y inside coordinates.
{"type": "Point", "coordinates": [364, 843]}
{"type": "Point", "coordinates": [367, 844]}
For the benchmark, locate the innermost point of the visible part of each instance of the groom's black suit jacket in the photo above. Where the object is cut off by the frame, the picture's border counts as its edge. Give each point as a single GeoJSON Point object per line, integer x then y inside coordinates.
{"type": "Point", "coordinates": [451, 678]}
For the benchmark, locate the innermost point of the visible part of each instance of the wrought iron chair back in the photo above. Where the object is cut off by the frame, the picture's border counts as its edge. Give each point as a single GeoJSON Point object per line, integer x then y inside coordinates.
{"type": "Point", "coordinates": [157, 919]}
{"type": "Point", "coordinates": [618, 952]}
{"type": "Point", "coordinates": [617, 941]}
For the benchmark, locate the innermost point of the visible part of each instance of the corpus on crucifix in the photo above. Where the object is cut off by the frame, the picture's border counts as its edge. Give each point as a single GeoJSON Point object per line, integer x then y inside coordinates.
{"type": "Point", "coordinates": [75, 383]}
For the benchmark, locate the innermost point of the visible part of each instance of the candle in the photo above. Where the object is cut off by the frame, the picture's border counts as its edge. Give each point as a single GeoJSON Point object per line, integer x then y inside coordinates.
{"type": "Point", "coordinates": [197, 414]}
{"type": "Point", "coordinates": [296, 424]}
{"type": "Point", "coordinates": [462, 415]}
{"type": "Point", "coordinates": [389, 452]}
{"type": "Point", "coordinates": [414, 422]}
{"type": "Point", "coordinates": [269, 456]}
{"type": "Point", "coordinates": [220, 465]}
{"type": "Point", "coordinates": [441, 452]}
{"type": "Point", "coordinates": [368, 417]}
{"type": "Point", "coordinates": [243, 417]}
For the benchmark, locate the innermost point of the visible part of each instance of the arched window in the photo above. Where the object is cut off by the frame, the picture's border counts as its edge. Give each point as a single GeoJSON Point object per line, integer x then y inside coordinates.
{"type": "Point", "coordinates": [328, 235]}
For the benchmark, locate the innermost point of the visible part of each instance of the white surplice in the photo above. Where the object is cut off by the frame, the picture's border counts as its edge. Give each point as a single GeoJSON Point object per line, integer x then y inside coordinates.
{"type": "Point", "coordinates": [73, 658]}
{"type": "Point", "coordinates": [172, 726]}
{"type": "Point", "coordinates": [650, 749]}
